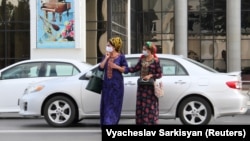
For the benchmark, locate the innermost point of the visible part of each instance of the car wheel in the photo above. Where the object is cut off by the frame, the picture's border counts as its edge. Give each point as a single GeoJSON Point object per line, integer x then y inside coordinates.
{"type": "Point", "coordinates": [195, 111]}
{"type": "Point", "coordinates": [59, 111]}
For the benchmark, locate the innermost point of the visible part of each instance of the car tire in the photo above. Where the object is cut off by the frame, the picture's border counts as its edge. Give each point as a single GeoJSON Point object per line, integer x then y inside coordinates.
{"type": "Point", "coordinates": [195, 111]}
{"type": "Point", "coordinates": [59, 111]}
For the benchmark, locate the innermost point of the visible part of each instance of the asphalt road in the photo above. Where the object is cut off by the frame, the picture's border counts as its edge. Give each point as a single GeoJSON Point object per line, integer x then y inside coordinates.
{"type": "Point", "coordinates": [13, 128]}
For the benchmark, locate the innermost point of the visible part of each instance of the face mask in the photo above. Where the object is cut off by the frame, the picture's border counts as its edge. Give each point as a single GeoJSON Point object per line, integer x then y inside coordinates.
{"type": "Point", "coordinates": [144, 52]}
{"type": "Point", "coordinates": [109, 49]}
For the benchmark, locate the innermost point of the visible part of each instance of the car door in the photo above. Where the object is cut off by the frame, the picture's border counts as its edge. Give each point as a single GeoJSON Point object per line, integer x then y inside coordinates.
{"type": "Point", "coordinates": [175, 81]}
{"type": "Point", "coordinates": [130, 89]}
{"type": "Point", "coordinates": [14, 80]}
{"type": "Point", "coordinates": [13, 83]}
{"type": "Point", "coordinates": [90, 100]}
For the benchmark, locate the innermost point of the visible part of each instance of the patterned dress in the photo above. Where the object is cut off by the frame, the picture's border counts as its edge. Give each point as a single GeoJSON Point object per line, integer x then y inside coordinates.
{"type": "Point", "coordinates": [112, 92]}
{"type": "Point", "coordinates": [147, 106]}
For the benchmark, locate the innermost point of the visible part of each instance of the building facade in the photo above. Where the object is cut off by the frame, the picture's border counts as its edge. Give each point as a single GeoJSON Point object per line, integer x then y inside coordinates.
{"type": "Point", "coordinates": [213, 32]}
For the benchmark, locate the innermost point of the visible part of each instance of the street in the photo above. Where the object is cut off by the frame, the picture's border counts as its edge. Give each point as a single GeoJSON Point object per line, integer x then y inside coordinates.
{"type": "Point", "coordinates": [13, 127]}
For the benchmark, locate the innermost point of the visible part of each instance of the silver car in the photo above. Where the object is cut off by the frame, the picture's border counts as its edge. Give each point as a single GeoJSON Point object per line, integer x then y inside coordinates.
{"type": "Point", "coordinates": [14, 79]}
{"type": "Point", "coordinates": [194, 93]}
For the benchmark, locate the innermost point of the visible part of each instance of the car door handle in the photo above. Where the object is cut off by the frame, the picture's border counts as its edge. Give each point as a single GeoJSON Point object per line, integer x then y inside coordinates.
{"type": "Point", "coordinates": [129, 83]}
{"type": "Point", "coordinates": [180, 82]}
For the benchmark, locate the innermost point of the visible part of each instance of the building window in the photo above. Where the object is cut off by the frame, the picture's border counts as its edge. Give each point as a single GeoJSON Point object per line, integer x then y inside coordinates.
{"type": "Point", "coordinates": [117, 21]}
{"type": "Point", "coordinates": [155, 22]}
{"type": "Point", "coordinates": [14, 31]}
{"type": "Point", "coordinates": [105, 19]}
{"type": "Point", "coordinates": [245, 34]}
{"type": "Point", "coordinates": [207, 40]}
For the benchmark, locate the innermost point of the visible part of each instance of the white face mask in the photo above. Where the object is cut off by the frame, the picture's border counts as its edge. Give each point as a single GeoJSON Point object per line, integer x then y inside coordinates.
{"type": "Point", "coordinates": [109, 48]}
{"type": "Point", "coordinates": [144, 52]}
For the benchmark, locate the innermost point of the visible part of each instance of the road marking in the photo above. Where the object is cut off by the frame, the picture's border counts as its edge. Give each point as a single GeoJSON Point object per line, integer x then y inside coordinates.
{"type": "Point", "coordinates": [50, 131]}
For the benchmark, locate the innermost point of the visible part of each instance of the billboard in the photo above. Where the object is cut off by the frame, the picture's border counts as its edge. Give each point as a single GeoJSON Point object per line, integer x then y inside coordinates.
{"type": "Point", "coordinates": [55, 24]}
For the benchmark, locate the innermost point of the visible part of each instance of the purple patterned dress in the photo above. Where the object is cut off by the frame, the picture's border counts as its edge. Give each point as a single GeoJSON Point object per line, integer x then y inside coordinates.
{"type": "Point", "coordinates": [147, 106]}
{"type": "Point", "coordinates": [112, 92]}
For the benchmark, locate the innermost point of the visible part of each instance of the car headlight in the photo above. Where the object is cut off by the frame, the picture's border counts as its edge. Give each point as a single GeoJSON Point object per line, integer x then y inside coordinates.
{"type": "Point", "coordinates": [33, 89]}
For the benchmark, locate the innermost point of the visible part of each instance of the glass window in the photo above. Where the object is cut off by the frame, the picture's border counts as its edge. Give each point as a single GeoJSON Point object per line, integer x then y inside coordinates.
{"type": "Point", "coordinates": [203, 65]}
{"type": "Point", "coordinates": [170, 67]}
{"type": "Point", "coordinates": [61, 69]}
{"type": "Point", "coordinates": [245, 5]}
{"type": "Point", "coordinates": [245, 22]}
{"type": "Point", "coordinates": [167, 5]}
{"type": "Point", "coordinates": [131, 63]}
{"type": "Point", "coordinates": [207, 27]}
{"type": "Point", "coordinates": [194, 23]}
{"type": "Point", "coordinates": [194, 5]}
{"type": "Point", "coordinates": [207, 5]}
{"type": "Point", "coordinates": [155, 23]}
{"type": "Point", "coordinates": [167, 22]}
{"type": "Point", "coordinates": [219, 5]}
{"type": "Point", "coordinates": [207, 49]}
{"type": "Point", "coordinates": [220, 55]}
{"type": "Point", "coordinates": [27, 70]}
{"type": "Point", "coordinates": [207, 32]}
{"type": "Point", "coordinates": [245, 34]}
{"type": "Point", "coordinates": [194, 49]}
{"type": "Point", "coordinates": [220, 23]}
{"type": "Point", "coordinates": [14, 31]}
{"type": "Point", "coordinates": [117, 20]}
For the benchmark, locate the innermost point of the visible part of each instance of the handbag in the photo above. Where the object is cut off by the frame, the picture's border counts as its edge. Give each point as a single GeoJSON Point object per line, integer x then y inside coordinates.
{"type": "Point", "coordinates": [95, 82]}
{"type": "Point", "coordinates": [159, 91]}
{"type": "Point", "coordinates": [142, 81]}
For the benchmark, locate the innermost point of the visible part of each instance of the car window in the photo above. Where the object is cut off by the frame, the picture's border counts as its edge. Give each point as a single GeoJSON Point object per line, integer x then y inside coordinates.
{"type": "Point", "coordinates": [171, 67]}
{"type": "Point", "coordinates": [201, 65]}
{"type": "Point", "coordinates": [131, 63]}
{"type": "Point", "coordinates": [27, 70]}
{"type": "Point", "coordinates": [60, 69]}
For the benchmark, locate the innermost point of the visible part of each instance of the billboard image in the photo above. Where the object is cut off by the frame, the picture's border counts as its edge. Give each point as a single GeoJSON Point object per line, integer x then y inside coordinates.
{"type": "Point", "coordinates": [55, 24]}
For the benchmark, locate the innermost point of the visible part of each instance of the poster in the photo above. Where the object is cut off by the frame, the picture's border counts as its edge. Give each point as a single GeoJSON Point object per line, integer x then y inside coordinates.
{"type": "Point", "coordinates": [55, 24]}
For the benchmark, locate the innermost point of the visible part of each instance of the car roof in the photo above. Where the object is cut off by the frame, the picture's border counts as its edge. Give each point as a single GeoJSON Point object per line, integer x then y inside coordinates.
{"type": "Point", "coordinates": [51, 59]}
{"type": "Point", "coordinates": [159, 55]}
{"type": "Point", "coordinates": [73, 61]}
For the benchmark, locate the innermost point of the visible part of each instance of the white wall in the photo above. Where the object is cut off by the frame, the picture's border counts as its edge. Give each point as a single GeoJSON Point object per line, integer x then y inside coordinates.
{"type": "Point", "coordinates": [78, 53]}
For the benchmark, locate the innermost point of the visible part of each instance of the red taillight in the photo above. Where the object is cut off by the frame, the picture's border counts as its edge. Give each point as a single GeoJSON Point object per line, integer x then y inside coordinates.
{"type": "Point", "coordinates": [234, 84]}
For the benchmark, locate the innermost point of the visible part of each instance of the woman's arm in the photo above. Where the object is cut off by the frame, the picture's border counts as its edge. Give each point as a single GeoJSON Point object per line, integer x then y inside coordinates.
{"type": "Point", "coordinates": [158, 71]}
{"type": "Point", "coordinates": [135, 68]}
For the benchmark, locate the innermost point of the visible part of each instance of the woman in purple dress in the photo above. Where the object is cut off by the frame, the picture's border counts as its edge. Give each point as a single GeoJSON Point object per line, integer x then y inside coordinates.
{"type": "Point", "coordinates": [147, 106]}
{"type": "Point", "coordinates": [113, 64]}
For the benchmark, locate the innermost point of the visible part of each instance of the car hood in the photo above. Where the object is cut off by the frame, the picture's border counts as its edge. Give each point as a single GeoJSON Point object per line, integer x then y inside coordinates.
{"type": "Point", "coordinates": [56, 80]}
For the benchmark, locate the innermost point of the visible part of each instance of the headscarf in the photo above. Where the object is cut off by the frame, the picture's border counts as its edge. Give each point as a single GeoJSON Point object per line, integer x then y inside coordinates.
{"type": "Point", "coordinates": [116, 42]}
{"type": "Point", "coordinates": [152, 47]}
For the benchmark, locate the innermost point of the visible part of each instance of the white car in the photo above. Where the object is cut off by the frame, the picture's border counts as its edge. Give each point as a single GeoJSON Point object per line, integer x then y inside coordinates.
{"type": "Point", "coordinates": [14, 79]}
{"type": "Point", "coordinates": [193, 92]}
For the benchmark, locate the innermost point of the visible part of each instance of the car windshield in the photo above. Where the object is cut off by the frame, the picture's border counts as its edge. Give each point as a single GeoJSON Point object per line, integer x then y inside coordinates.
{"type": "Point", "coordinates": [201, 65]}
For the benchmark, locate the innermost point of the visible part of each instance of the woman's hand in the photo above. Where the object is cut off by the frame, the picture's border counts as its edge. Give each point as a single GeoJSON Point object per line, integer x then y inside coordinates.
{"type": "Point", "coordinates": [147, 77]}
{"type": "Point", "coordinates": [115, 66]}
{"type": "Point", "coordinates": [107, 55]}
{"type": "Point", "coordinates": [105, 60]}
